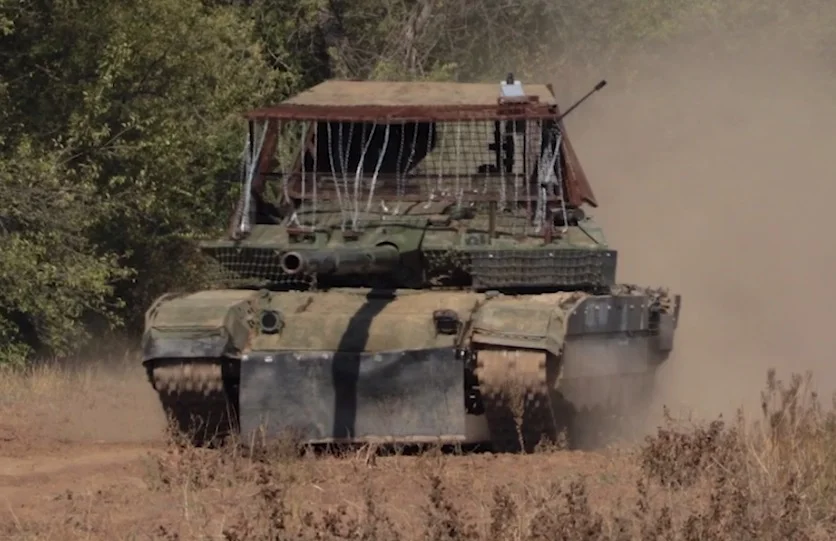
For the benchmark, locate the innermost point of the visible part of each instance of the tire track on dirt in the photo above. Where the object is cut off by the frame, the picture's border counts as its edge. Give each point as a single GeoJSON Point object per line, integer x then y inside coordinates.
{"type": "Point", "coordinates": [71, 467]}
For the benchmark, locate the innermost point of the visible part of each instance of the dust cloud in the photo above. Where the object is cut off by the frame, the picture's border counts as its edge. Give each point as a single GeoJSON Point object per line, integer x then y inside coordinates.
{"type": "Point", "coordinates": [113, 404]}
{"type": "Point", "coordinates": [716, 176]}
{"type": "Point", "coordinates": [102, 399]}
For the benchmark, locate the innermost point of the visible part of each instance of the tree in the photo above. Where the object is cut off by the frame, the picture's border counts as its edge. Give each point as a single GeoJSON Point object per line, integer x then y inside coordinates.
{"type": "Point", "coordinates": [121, 133]}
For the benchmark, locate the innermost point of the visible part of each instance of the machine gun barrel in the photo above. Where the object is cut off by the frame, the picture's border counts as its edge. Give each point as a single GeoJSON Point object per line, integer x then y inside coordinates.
{"type": "Point", "coordinates": [341, 261]}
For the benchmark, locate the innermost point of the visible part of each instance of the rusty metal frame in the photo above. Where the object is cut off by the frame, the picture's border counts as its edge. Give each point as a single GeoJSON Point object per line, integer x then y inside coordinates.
{"type": "Point", "coordinates": [532, 110]}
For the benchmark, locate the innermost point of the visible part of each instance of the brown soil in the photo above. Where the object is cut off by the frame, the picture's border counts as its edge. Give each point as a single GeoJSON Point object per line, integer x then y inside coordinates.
{"type": "Point", "coordinates": [86, 491]}
{"type": "Point", "coordinates": [84, 453]}
{"type": "Point", "coordinates": [693, 482]}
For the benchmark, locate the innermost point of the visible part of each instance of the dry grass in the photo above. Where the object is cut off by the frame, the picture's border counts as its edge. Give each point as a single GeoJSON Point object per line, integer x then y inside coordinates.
{"type": "Point", "coordinates": [772, 478]}
{"type": "Point", "coordinates": [103, 401]}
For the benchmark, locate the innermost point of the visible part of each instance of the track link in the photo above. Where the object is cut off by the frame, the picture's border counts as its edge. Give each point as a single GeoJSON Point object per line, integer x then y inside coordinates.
{"type": "Point", "coordinates": [197, 395]}
{"type": "Point", "coordinates": [515, 393]}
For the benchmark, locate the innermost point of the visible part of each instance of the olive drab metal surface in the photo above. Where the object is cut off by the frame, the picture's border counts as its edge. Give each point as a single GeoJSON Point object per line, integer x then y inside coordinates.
{"type": "Point", "coordinates": [409, 261]}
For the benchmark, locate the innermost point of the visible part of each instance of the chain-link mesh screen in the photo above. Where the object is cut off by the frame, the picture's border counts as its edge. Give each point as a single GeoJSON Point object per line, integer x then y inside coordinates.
{"type": "Point", "coordinates": [510, 268]}
{"type": "Point", "coordinates": [373, 169]}
{"type": "Point", "coordinates": [483, 269]}
{"type": "Point", "coordinates": [249, 267]}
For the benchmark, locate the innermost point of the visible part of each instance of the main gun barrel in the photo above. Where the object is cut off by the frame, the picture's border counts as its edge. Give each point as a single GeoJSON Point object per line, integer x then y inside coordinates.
{"type": "Point", "coordinates": [341, 261]}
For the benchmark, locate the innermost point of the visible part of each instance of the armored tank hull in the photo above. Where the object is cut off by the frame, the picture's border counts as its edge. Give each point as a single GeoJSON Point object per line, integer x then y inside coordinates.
{"type": "Point", "coordinates": [410, 366]}
{"type": "Point", "coordinates": [423, 272]}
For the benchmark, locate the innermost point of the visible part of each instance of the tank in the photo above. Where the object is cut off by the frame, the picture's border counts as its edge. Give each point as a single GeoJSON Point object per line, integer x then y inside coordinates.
{"type": "Point", "coordinates": [409, 262]}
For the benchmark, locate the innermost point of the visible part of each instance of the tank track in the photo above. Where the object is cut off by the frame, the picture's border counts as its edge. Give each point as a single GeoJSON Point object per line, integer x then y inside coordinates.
{"type": "Point", "coordinates": [197, 395]}
{"type": "Point", "coordinates": [520, 407]}
{"type": "Point", "coordinates": [200, 397]}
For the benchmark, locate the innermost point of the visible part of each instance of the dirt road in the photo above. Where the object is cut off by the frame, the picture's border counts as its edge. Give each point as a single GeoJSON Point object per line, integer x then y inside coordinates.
{"type": "Point", "coordinates": [147, 491]}
{"type": "Point", "coordinates": [38, 489]}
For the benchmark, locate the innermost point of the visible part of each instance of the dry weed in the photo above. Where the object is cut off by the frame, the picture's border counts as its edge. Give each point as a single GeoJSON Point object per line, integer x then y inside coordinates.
{"type": "Point", "coordinates": [677, 458]}
{"type": "Point", "coordinates": [768, 479]}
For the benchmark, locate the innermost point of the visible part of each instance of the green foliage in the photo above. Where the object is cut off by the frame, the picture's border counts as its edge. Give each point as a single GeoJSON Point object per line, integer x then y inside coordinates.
{"type": "Point", "coordinates": [120, 127]}
{"type": "Point", "coordinates": [121, 136]}
{"type": "Point", "coordinates": [50, 274]}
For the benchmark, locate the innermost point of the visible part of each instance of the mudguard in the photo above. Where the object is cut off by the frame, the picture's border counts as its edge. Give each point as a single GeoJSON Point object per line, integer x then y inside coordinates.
{"type": "Point", "coordinates": [206, 324]}
{"type": "Point", "coordinates": [548, 322]}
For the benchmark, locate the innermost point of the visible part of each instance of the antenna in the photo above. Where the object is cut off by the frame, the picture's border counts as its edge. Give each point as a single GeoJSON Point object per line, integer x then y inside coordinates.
{"type": "Point", "coordinates": [597, 87]}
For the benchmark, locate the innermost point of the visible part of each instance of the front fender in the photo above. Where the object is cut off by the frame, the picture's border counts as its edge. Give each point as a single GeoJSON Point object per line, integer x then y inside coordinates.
{"type": "Point", "coordinates": [546, 322]}
{"type": "Point", "coordinates": [212, 324]}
